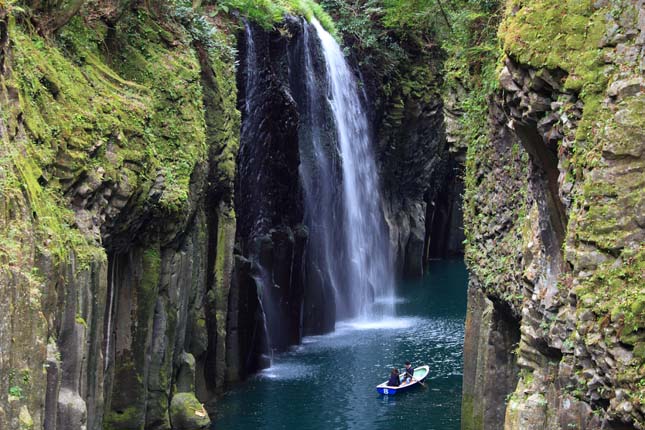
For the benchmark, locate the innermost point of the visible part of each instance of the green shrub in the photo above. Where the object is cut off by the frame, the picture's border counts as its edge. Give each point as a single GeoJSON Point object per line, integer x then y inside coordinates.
{"type": "Point", "coordinates": [268, 13]}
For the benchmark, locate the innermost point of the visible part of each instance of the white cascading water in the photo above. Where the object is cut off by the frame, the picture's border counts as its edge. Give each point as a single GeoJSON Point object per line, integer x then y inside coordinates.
{"type": "Point", "coordinates": [251, 68]}
{"type": "Point", "coordinates": [320, 172]}
{"type": "Point", "coordinates": [370, 274]}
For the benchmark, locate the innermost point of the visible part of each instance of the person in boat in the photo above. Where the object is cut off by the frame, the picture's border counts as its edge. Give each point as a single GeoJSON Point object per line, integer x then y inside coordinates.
{"type": "Point", "coordinates": [409, 372]}
{"type": "Point", "coordinates": [394, 381]}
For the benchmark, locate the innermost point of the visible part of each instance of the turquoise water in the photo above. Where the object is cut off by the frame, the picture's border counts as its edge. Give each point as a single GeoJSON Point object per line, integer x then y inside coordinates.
{"type": "Point", "coordinates": [329, 381]}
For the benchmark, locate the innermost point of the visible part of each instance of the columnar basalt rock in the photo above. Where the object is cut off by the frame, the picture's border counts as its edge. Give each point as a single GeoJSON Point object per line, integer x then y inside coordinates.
{"type": "Point", "coordinates": [117, 222]}
{"type": "Point", "coordinates": [269, 196]}
{"type": "Point", "coordinates": [576, 288]}
{"type": "Point", "coordinates": [420, 176]}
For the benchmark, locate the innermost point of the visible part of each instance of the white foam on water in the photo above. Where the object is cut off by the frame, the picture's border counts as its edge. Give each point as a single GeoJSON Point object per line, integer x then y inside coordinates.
{"type": "Point", "coordinates": [389, 300]}
{"type": "Point", "coordinates": [287, 371]}
{"type": "Point", "coordinates": [379, 324]}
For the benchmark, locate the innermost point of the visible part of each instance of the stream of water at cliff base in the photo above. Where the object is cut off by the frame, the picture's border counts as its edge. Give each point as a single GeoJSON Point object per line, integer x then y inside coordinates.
{"type": "Point", "coordinates": [328, 382]}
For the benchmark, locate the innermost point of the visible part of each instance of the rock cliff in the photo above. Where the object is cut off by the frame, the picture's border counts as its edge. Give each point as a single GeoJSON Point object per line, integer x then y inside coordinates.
{"type": "Point", "coordinates": [119, 136]}
{"type": "Point", "coordinates": [553, 204]}
{"type": "Point", "coordinates": [154, 245]}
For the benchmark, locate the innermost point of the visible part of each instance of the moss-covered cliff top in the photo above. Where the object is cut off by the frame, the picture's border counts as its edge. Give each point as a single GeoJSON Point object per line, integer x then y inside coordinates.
{"type": "Point", "coordinates": [558, 35]}
{"type": "Point", "coordinates": [108, 119]}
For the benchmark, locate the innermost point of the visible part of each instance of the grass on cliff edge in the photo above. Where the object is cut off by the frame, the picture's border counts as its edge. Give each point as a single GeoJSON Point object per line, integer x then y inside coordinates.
{"type": "Point", "coordinates": [122, 123]}
{"type": "Point", "coordinates": [268, 13]}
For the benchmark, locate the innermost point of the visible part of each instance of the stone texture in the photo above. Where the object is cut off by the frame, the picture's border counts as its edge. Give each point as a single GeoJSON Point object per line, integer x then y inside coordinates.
{"type": "Point", "coordinates": [269, 194]}
{"type": "Point", "coordinates": [490, 369]}
{"type": "Point", "coordinates": [92, 336]}
{"type": "Point", "coordinates": [186, 413]}
{"type": "Point", "coordinates": [573, 288]}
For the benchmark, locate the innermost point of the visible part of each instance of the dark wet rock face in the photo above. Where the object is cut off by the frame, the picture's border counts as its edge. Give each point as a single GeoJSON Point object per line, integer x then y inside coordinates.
{"type": "Point", "coordinates": [414, 161]}
{"type": "Point", "coordinates": [269, 195]}
{"type": "Point", "coordinates": [267, 181]}
{"type": "Point", "coordinates": [490, 366]}
{"type": "Point", "coordinates": [420, 174]}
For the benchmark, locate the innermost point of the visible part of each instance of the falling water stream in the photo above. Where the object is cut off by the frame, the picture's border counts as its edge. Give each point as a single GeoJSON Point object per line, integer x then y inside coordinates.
{"type": "Point", "coordinates": [320, 172]}
{"type": "Point", "coordinates": [369, 271]}
{"type": "Point", "coordinates": [350, 274]}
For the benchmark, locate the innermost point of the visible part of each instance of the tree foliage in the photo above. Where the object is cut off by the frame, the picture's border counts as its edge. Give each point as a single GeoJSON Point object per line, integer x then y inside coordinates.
{"type": "Point", "coordinates": [268, 13]}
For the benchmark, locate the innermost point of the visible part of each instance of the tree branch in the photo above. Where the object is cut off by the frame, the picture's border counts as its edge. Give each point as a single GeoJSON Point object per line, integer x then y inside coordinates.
{"type": "Point", "coordinates": [445, 15]}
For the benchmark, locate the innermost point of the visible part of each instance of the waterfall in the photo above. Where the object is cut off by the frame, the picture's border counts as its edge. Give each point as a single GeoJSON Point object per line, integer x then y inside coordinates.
{"type": "Point", "coordinates": [368, 267]}
{"type": "Point", "coordinates": [345, 271]}
{"type": "Point", "coordinates": [321, 175]}
{"type": "Point", "coordinates": [251, 69]}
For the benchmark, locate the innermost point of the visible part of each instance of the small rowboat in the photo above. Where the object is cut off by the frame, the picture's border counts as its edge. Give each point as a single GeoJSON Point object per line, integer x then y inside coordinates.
{"type": "Point", "coordinates": [420, 373]}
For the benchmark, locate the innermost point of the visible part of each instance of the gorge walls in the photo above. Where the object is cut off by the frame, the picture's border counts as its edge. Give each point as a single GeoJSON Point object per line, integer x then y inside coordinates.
{"type": "Point", "coordinates": [553, 204]}
{"type": "Point", "coordinates": [156, 245]}
{"type": "Point", "coordinates": [171, 209]}
{"type": "Point", "coordinates": [268, 191]}
{"type": "Point", "coordinates": [118, 147]}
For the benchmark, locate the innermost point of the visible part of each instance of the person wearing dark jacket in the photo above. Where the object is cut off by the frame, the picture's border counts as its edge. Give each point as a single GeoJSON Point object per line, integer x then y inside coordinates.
{"type": "Point", "coordinates": [394, 381]}
{"type": "Point", "coordinates": [409, 372]}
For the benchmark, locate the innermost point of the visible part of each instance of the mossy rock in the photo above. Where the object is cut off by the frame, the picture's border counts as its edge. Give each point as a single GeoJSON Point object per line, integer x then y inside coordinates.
{"type": "Point", "coordinates": [129, 418]}
{"type": "Point", "coordinates": [187, 413]}
{"type": "Point", "coordinates": [558, 34]}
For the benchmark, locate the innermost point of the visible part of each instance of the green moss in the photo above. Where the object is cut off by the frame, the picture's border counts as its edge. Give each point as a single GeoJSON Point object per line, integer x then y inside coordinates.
{"type": "Point", "coordinates": [639, 351]}
{"type": "Point", "coordinates": [15, 391]}
{"type": "Point", "coordinates": [225, 238]}
{"type": "Point", "coordinates": [565, 35]}
{"type": "Point", "coordinates": [144, 118]}
{"type": "Point", "coordinates": [187, 412]}
{"type": "Point", "coordinates": [620, 293]}
{"type": "Point", "coordinates": [151, 270]}
{"type": "Point", "coordinates": [80, 320]}
{"type": "Point", "coordinates": [122, 419]}
{"type": "Point", "coordinates": [268, 13]}
{"type": "Point", "coordinates": [493, 251]}
{"type": "Point", "coordinates": [470, 419]}
{"type": "Point", "coordinates": [558, 34]}
{"type": "Point", "coordinates": [222, 120]}
{"type": "Point", "coordinates": [606, 209]}
{"type": "Point", "coordinates": [147, 294]}
{"type": "Point", "coordinates": [175, 133]}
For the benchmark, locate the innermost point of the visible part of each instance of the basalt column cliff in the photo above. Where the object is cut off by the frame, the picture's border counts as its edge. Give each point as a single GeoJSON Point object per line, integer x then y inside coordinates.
{"type": "Point", "coordinates": [554, 209]}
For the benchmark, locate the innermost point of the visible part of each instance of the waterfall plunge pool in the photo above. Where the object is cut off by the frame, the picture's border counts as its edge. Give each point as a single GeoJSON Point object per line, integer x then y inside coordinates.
{"type": "Point", "coordinates": [329, 381]}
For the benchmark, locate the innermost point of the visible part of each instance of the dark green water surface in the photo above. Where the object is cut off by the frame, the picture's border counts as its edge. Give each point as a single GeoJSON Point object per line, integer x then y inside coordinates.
{"type": "Point", "coordinates": [329, 381]}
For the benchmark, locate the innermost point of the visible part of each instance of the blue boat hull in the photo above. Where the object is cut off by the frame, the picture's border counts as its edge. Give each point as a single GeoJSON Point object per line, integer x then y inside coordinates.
{"type": "Point", "coordinates": [387, 390]}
